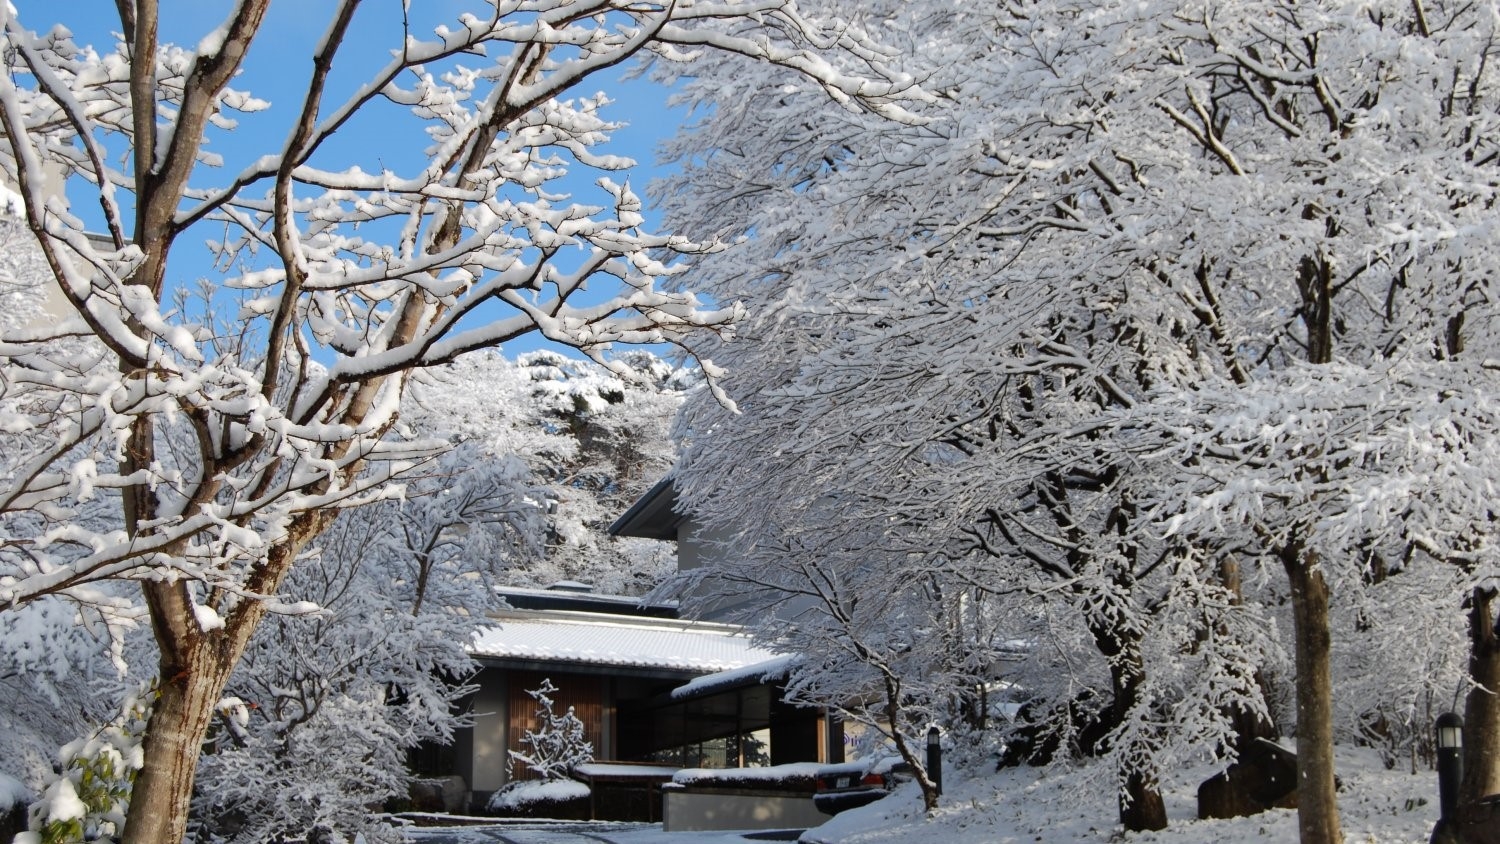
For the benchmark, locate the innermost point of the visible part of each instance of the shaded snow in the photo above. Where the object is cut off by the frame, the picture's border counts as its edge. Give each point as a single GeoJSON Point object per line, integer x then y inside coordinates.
{"type": "Point", "coordinates": [13, 792]}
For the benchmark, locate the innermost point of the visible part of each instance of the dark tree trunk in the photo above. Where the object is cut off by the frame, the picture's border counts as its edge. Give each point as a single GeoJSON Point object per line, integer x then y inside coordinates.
{"type": "Point", "coordinates": [1317, 803]}
{"type": "Point", "coordinates": [195, 667]}
{"type": "Point", "coordinates": [1141, 806]}
{"type": "Point", "coordinates": [1482, 706]}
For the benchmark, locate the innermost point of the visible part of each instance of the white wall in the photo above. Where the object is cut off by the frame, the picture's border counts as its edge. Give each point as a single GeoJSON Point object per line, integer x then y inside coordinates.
{"type": "Point", "coordinates": [687, 810]}
{"type": "Point", "coordinates": [490, 762]}
{"type": "Point", "coordinates": [697, 546]}
{"type": "Point", "coordinates": [17, 237]}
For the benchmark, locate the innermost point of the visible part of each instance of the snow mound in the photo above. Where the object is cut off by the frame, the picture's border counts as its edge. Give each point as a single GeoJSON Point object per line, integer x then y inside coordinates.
{"type": "Point", "coordinates": [13, 792]}
{"type": "Point", "coordinates": [796, 772]}
{"type": "Point", "coordinates": [520, 795]}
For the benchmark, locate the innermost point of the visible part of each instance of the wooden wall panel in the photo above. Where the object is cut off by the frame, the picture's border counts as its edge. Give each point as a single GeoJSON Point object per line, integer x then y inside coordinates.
{"type": "Point", "coordinates": [584, 693]}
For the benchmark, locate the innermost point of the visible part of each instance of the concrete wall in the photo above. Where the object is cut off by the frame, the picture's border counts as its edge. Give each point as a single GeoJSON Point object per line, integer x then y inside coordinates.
{"type": "Point", "coordinates": [26, 261]}
{"type": "Point", "coordinates": [697, 546]}
{"type": "Point", "coordinates": [489, 762]}
{"type": "Point", "coordinates": [692, 809]}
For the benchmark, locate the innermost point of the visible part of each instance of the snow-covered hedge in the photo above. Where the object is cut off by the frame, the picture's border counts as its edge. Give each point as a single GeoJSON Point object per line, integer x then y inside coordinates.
{"type": "Point", "coordinates": [528, 795]}
{"type": "Point", "coordinates": [794, 776]}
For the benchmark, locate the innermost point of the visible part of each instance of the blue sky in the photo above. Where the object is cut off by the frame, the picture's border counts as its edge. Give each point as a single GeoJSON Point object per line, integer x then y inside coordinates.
{"type": "Point", "coordinates": [279, 65]}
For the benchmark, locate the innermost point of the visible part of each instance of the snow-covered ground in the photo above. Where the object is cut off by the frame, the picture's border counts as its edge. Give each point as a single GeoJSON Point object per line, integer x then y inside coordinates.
{"type": "Point", "coordinates": [1377, 807]}
{"type": "Point", "coordinates": [572, 833]}
{"type": "Point", "coordinates": [1016, 807]}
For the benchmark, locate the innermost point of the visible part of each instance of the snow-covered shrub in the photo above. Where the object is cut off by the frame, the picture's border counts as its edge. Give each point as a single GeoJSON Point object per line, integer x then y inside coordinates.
{"type": "Point", "coordinates": [88, 799]}
{"type": "Point", "coordinates": [536, 797]}
{"type": "Point", "coordinates": [557, 745]}
{"type": "Point", "coordinates": [793, 776]}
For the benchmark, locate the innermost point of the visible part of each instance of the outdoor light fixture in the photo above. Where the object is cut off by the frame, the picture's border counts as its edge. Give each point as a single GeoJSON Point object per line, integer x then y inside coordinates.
{"type": "Point", "coordinates": [1450, 770]}
{"type": "Point", "coordinates": [1450, 731]}
{"type": "Point", "coordinates": [935, 758]}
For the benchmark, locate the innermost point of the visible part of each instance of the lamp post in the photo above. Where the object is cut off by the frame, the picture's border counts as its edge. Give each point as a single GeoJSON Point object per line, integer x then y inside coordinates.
{"type": "Point", "coordinates": [935, 758]}
{"type": "Point", "coordinates": [1450, 769]}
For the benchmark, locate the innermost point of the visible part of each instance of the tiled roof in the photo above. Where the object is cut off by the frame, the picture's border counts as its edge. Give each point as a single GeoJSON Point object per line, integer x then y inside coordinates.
{"type": "Point", "coordinates": [602, 639]}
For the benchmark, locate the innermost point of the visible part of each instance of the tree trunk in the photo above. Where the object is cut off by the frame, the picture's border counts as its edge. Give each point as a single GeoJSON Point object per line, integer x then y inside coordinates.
{"type": "Point", "coordinates": [195, 667]}
{"type": "Point", "coordinates": [1141, 806]}
{"type": "Point", "coordinates": [1317, 801]}
{"type": "Point", "coordinates": [1482, 706]}
{"type": "Point", "coordinates": [894, 717]}
{"type": "Point", "coordinates": [190, 687]}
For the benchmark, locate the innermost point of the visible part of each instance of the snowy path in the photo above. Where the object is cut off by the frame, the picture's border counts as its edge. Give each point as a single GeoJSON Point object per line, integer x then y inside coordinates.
{"type": "Point", "coordinates": [597, 833]}
{"type": "Point", "coordinates": [518, 834]}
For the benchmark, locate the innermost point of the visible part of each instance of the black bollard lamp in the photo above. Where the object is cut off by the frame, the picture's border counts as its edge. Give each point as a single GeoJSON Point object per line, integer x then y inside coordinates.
{"type": "Point", "coordinates": [935, 758]}
{"type": "Point", "coordinates": [1450, 770]}
{"type": "Point", "coordinates": [1450, 731]}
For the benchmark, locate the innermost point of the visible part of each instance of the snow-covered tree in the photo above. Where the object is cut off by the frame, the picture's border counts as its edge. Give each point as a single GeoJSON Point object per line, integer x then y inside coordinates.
{"type": "Point", "coordinates": [594, 441]}
{"type": "Point", "coordinates": [402, 585]}
{"type": "Point", "coordinates": [63, 656]}
{"type": "Point", "coordinates": [231, 431]}
{"type": "Point", "coordinates": [333, 701]}
{"type": "Point", "coordinates": [557, 745]}
{"type": "Point", "coordinates": [1160, 288]}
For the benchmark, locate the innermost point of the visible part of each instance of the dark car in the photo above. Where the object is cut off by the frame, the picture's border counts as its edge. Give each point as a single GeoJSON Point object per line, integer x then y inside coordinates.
{"type": "Point", "coordinates": [850, 784]}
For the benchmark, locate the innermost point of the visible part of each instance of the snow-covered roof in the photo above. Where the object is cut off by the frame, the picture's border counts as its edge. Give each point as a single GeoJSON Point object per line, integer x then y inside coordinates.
{"type": "Point", "coordinates": [616, 640]}
{"type": "Point", "coordinates": [774, 668]}
{"type": "Point", "coordinates": [653, 516]}
{"type": "Point", "coordinates": [560, 591]}
{"type": "Point", "coordinates": [623, 770]}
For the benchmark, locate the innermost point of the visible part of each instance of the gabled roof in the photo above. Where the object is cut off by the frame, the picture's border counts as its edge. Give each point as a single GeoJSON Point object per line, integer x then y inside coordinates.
{"type": "Point", "coordinates": [653, 516]}
{"type": "Point", "coordinates": [600, 639]}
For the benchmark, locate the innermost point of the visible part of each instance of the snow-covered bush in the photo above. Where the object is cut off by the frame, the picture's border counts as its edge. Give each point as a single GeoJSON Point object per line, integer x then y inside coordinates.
{"type": "Point", "coordinates": [88, 799]}
{"type": "Point", "coordinates": [280, 783]}
{"type": "Point", "coordinates": [529, 797]}
{"type": "Point", "coordinates": [793, 776]}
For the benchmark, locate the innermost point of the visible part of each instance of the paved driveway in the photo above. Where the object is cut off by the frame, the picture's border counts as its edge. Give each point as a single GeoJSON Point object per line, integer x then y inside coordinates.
{"type": "Point", "coordinates": [516, 833]}
{"type": "Point", "coordinates": [579, 833]}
